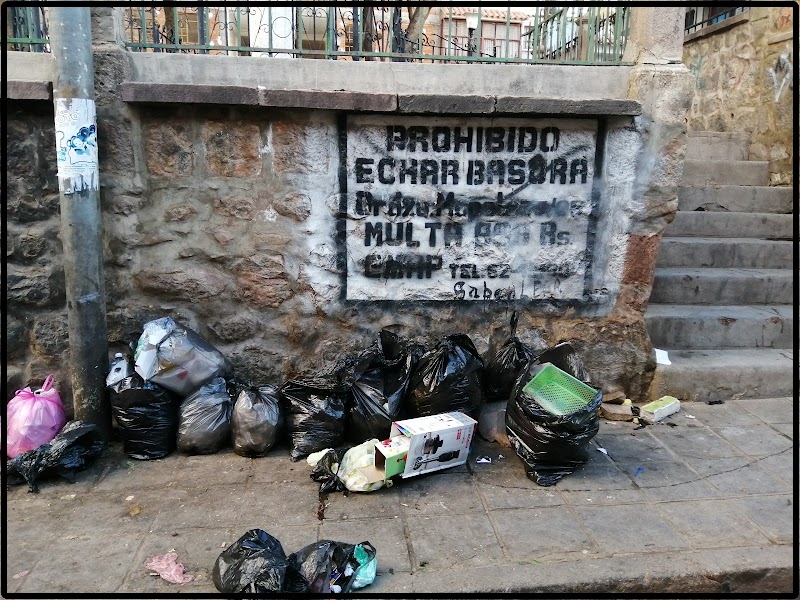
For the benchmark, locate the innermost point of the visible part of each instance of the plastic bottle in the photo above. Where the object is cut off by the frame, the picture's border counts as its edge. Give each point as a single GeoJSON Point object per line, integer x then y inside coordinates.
{"type": "Point", "coordinates": [120, 369]}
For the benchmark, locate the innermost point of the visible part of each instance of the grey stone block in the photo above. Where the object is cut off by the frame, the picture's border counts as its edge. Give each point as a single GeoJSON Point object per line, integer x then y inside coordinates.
{"type": "Point", "coordinates": [182, 93]}
{"type": "Point", "coordinates": [520, 105]}
{"type": "Point", "coordinates": [732, 224]}
{"type": "Point", "coordinates": [326, 100]}
{"type": "Point", "coordinates": [736, 198]}
{"type": "Point", "coordinates": [686, 326]}
{"type": "Point", "coordinates": [725, 172]}
{"type": "Point", "coordinates": [746, 253]}
{"type": "Point", "coordinates": [713, 145]}
{"type": "Point", "coordinates": [722, 286]}
{"type": "Point", "coordinates": [444, 104]}
{"type": "Point", "coordinates": [30, 90]}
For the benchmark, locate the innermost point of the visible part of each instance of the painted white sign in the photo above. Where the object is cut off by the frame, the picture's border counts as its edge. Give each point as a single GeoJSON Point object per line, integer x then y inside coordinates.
{"type": "Point", "coordinates": [76, 145]}
{"type": "Point", "coordinates": [468, 209]}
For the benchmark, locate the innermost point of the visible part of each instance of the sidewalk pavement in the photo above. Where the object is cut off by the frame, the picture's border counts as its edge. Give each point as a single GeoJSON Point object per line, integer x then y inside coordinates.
{"type": "Point", "coordinates": [711, 511]}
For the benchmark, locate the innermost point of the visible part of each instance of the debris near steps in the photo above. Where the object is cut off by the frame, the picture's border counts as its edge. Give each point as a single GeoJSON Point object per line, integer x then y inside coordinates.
{"type": "Point", "coordinates": [659, 409]}
{"type": "Point", "coordinates": [616, 412]}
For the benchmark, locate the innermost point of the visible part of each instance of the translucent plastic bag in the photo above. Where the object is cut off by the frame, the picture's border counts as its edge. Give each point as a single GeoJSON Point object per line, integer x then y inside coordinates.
{"type": "Point", "coordinates": [353, 460]}
{"type": "Point", "coordinates": [257, 418]}
{"type": "Point", "coordinates": [205, 419]}
{"type": "Point", "coordinates": [336, 567]}
{"type": "Point", "coordinates": [33, 418]}
{"type": "Point", "coordinates": [177, 358]}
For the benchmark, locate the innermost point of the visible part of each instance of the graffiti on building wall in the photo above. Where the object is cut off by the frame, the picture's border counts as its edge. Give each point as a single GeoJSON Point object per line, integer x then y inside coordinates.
{"type": "Point", "coordinates": [478, 209]}
{"type": "Point", "coordinates": [780, 76]}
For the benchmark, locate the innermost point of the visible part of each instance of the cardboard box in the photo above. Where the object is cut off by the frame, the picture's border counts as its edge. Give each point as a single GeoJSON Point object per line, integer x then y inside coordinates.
{"type": "Point", "coordinates": [423, 445]}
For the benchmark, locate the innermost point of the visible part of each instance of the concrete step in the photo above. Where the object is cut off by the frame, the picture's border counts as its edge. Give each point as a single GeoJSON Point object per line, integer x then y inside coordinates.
{"type": "Point", "coordinates": [746, 253]}
{"type": "Point", "coordinates": [715, 374]}
{"type": "Point", "coordinates": [687, 326]}
{"type": "Point", "coordinates": [725, 172]}
{"type": "Point", "coordinates": [737, 198]}
{"type": "Point", "coordinates": [716, 145]}
{"type": "Point", "coordinates": [731, 224]}
{"type": "Point", "coordinates": [674, 285]}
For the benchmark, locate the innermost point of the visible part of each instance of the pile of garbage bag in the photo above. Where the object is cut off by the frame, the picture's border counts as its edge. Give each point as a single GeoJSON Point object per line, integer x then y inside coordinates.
{"type": "Point", "coordinates": [257, 563]}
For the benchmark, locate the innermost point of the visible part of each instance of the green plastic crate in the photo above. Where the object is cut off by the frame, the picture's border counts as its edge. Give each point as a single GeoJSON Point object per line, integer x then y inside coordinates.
{"type": "Point", "coordinates": [557, 392]}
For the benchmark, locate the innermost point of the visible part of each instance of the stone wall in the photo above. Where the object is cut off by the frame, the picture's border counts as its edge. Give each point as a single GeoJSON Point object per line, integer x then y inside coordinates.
{"type": "Point", "coordinates": [225, 217]}
{"type": "Point", "coordinates": [739, 84]}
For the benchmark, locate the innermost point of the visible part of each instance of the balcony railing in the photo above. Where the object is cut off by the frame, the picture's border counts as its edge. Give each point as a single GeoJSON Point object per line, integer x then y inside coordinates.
{"type": "Point", "coordinates": [445, 34]}
{"type": "Point", "coordinates": [700, 17]}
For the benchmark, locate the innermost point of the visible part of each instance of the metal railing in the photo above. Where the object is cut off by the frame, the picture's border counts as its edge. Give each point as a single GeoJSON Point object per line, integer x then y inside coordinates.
{"type": "Point", "coordinates": [564, 35]}
{"type": "Point", "coordinates": [26, 29]}
{"type": "Point", "coordinates": [571, 35]}
{"type": "Point", "coordinates": [699, 17]}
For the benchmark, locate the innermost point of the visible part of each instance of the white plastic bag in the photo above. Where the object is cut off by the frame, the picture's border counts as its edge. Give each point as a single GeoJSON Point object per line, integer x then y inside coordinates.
{"type": "Point", "coordinates": [354, 459]}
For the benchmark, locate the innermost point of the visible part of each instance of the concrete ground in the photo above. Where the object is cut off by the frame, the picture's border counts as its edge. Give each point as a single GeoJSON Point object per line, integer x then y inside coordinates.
{"type": "Point", "coordinates": [711, 511]}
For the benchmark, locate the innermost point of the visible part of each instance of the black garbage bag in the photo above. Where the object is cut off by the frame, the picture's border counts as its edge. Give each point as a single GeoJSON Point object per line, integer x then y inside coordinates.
{"type": "Point", "coordinates": [256, 563]}
{"type": "Point", "coordinates": [504, 367]}
{"type": "Point", "coordinates": [72, 450]}
{"type": "Point", "coordinates": [329, 566]}
{"type": "Point", "coordinates": [257, 419]}
{"type": "Point", "coordinates": [379, 383]}
{"type": "Point", "coordinates": [315, 413]}
{"type": "Point", "coordinates": [147, 415]}
{"type": "Point", "coordinates": [551, 446]}
{"type": "Point", "coordinates": [205, 419]}
{"type": "Point", "coordinates": [448, 378]}
{"type": "Point", "coordinates": [325, 472]}
{"type": "Point", "coordinates": [564, 357]}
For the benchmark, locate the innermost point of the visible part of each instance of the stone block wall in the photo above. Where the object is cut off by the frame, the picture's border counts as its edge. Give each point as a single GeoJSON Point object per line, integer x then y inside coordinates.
{"type": "Point", "coordinates": [224, 217]}
{"type": "Point", "coordinates": [739, 84]}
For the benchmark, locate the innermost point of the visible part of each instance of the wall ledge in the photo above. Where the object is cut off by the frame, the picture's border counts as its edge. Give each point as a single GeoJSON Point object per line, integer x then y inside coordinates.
{"type": "Point", "coordinates": [717, 27]}
{"type": "Point", "coordinates": [177, 93]}
{"type": "Point", "coordinates": [29, 90]}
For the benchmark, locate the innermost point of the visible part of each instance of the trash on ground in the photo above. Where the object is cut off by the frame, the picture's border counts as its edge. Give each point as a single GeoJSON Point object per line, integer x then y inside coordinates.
{"type": "Point", "coordinates": [448, 379]}
{"type": "Point", "coordinates": [503, 368]}
{"type": "Point", "coordinates": [166, 566]}
{"type": "Point", "coordinates": [147, 415]}
{"type": "Point", "coordinates": [353, 461]}
{"type": "Point", "coordinates": [688, 416]}
{"type": "Point", "coordinates": [483, 460]}
{"type": "Point", "coordinates": [640, 426]}
{"type": "Point", "coordinates": [120, 369]}
{"type": "Point", "coordinates": [72, 450]}
{"type": "Point", "coordinates": [492, 423]}
{"type": "Point", "coordinates": [135, 510]}
{"type": "Point", "coordinates": [20, 575]}
{"type": "Point", "coordinates": [379, 379]}
{"type": "Point", "coordinates": [662, 357]}
{"type": "Point", "coordinates": [325, 471]}
{"type": "Point", "coordinates": [712, 402]}
{"type": "Point", "coordinates": [204, 425]}
{"type": "Point", "coordinates": [551, 420]}
{"type": "Point", "coordinates": [257, 563]}
{"type": "Point", "coordinates": [659, 409]}
{"type": "Point", "coordinates": [616, 412]}
{"type": "Point", "coordinates": [627, 402]}
{"type": "Point", "coordinates": [315, 409]}
{"type": "Point", "coordinates": [257, 418]}
{"type": "Point", "coordinates": [638, 471]}
{"type": "Point", "coordinates": [177, 358]}
{"type": "Point", "coordinates": [422, 445]}
{"type": "Point", "coordinates": [129, 498]}
{"type": "Point", "coordinates": [603, 450]}
{"type": "Point", "coordinates": [500, 456]}
{"type": "Point", "coordinates": [33, 418]}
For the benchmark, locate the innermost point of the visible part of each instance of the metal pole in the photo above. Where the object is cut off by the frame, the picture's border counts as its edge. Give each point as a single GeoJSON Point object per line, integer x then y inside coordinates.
{"type": "Point", "coordinates": [81, 220]}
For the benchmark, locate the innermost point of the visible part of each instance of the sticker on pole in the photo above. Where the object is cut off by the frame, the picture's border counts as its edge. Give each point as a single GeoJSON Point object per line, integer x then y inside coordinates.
{"type": "Point", "coordinates": [76, 145]}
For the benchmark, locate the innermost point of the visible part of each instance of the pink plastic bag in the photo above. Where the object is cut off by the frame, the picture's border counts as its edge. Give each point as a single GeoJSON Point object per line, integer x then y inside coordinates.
{"type": "Point", "coordinates": [33, 418]}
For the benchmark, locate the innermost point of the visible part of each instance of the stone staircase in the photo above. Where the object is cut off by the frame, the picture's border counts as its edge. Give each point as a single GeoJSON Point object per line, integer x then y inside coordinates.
{"type": "Point", "coordinates": [722, 300]}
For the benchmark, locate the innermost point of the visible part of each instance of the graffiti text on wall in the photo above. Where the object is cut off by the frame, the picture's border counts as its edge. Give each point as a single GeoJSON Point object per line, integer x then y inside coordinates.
{"type": "Point", "coordinates": [468, 209]}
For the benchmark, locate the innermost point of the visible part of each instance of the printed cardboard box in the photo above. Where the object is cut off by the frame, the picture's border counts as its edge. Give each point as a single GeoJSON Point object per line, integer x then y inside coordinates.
{"type": "Point", "coordinates": [423, 445]}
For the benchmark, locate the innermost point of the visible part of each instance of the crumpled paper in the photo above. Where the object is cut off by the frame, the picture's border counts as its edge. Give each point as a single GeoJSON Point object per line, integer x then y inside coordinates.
{"type": "Point", "coordinates": [167, 567]}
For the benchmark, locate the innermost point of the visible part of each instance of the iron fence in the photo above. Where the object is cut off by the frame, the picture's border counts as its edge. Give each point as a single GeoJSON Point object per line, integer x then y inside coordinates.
{"type": "Point", "coordinates": [564, 35]}
{"type": "Point", "coordinates": [699, 17]}
{"type": "Point", "coordinates": [26, 29]}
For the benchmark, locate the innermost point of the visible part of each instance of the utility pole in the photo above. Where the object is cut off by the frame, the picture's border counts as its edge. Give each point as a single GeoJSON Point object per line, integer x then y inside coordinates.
{"type": "Point", "coordinates": [81, 222]}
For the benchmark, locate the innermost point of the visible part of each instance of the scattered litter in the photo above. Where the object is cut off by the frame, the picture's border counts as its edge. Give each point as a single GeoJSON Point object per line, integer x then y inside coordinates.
{"type": "Point", "coordinates": [20, 574]}
{"type": "Point", "coordinates": [635, 420]}
{"type": "Point", "coordinates": [129, 498]}
{"type": "Point", "coordinates": [638, 471]}
{"type": "Point", "coordinates": [135, 510]}
{"type": "Point", "coordinates": [688, 416]}
{"type": "Point", "coordinates": [68, 497]}
{"type": "Point", "coordinates": [603, 450]}
{"type": "Point", "coordinates": [716, 402]}
{"type": "Point", "coordinates": [223, 544]}
{"type": "Point", "coordinates": [584, 551]}
{"type": "Point", "coordinates": [500, 456]}
{"type": "Point", "coordinates": [671, 423]}
{"type": "Point", "coordinates": [641, 426]}
{"type": "Point", "coordinates": [627, 402]}
{"type": "Point", "coordinates": [659, 409]}
{"type": "Point", "coordinates": [662, 357]}
{"type": "Point", "coordinates": [166, 566]}
{"type": "Point", "coordinates": [484, 460]}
